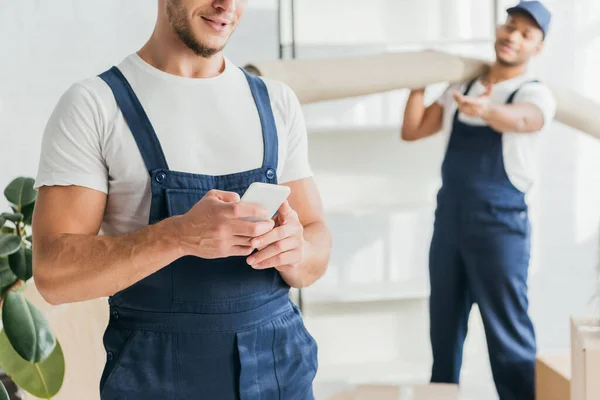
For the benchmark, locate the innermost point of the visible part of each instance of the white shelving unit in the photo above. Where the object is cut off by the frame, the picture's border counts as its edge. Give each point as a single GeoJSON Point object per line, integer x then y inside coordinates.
{"type": "Point", "coordinates": [379, 193]}
{"type": "Point", "coordinates": [380, 255]}
{"type": "Point", "coordinates": [373, 292]}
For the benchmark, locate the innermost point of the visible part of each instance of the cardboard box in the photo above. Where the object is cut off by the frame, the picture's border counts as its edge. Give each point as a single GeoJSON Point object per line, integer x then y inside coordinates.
{"type": "Point", "coordinates": [585, 358]}
{"type": "Point", "coordinates": [389, 392]}
{"type": "Point", "coordinates": [553, 377]}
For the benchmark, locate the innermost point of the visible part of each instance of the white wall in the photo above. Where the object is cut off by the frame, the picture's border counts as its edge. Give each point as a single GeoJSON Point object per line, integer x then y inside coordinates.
{"type": "Point", "coordinates": [380, 213]}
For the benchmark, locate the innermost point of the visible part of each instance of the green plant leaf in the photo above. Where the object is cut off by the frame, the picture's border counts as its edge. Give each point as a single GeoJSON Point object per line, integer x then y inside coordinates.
{"type": "Point", "coordinates": [27, 212]}
{"type": "Point", "coordinates": [20, 192]}
{"type": "Point", "coordinates": [9, 244]}
{"type": "Point", "coordinates": [43, 379]}
{"type": "Point", "coordinates": [21, 264]}
{"type": "Point", "coordinates": [2, 221]}
{"type": "Point", "coordinates": [26, 328]}
{"type": "Point", "coordinates": [7, 229]}
{"type": "Point", "coordinates": [7, 277]}
{"type": "Point", "coordinates": [16, 217]}
{"type": "Point", "coordinates": [3, 392]}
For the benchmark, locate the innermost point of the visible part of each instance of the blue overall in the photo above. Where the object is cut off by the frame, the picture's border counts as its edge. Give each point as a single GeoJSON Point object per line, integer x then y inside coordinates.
{"type": "Point", "coordinates": [197, 328]}
{"type": "Point", "coordinates": [480, 254]}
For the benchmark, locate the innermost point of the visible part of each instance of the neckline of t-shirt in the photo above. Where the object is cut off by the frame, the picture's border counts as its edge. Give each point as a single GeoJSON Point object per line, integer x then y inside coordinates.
{"type": "Point", "coordinates": [515, 81]}
{"type": "Point", "coordinates": [142, 64]}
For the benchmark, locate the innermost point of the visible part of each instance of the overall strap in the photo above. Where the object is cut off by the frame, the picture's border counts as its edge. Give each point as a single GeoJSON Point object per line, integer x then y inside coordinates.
{"type": "Point", "coordinates": [513, 94]}
{"type": "Point", "coordinates": [267, 121]}
{"type": "Point", "coordinates": [469, 86]}
{"type": "Point", "coordinates": [136, 118]}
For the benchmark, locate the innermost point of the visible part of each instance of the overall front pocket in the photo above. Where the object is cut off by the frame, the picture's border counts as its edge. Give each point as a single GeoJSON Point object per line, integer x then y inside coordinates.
{"type": "Point", "coordinates": [180, 201]}
{"type": "Point", "coordinates": [141, 365]}
{"type": "Point", "coordinates": [283, 355]}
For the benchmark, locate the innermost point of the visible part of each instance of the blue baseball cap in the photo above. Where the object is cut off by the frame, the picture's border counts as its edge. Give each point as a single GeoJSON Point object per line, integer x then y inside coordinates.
{"type": "Point", "coordinates": [535, 10]}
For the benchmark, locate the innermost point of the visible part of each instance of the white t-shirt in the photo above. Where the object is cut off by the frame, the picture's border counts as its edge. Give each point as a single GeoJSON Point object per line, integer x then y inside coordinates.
{"type": "Point", "coordinates": [519, 149]}
{"type": "Point", "coordinates": [205, 126]}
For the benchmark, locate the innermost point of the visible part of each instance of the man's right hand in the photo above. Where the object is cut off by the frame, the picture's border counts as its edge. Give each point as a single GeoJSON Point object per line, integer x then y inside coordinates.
{"type": "Point", "coordinates": [214, 228]}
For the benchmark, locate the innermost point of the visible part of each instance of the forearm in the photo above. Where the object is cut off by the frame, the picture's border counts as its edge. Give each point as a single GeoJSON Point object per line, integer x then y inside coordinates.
{"type": "Point", "coordinates": [73, 267]}
{"type": "Point", "coordinates": [317, 251]}
{"type": "Point", "coordinates": [523, 118]}
{"type": "Point", "coordinates": [413, 114]}
{"type": "Point", "coordinates": [420, 121]}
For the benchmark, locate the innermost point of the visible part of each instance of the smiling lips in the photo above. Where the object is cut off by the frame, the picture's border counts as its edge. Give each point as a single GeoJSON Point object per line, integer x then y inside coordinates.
{"type": "Point", "coordinates": [507, 48]}
{"type": "Point", "coordinates": [216, 23]}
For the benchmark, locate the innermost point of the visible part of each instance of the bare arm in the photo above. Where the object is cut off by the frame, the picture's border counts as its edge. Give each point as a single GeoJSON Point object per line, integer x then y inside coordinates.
{"type": "Point", "coordinates": [521, 117]}
{"type": "Point", "coordinates": [420, 121]}
{"type": "Point", "coordinates": [300, 246]}
{"type": "Point", "coordinates": [72, 263]}
{"type": "Point", "coordinates": [306, 201]}
{"type": "Point", "coordinates": [516, 117]}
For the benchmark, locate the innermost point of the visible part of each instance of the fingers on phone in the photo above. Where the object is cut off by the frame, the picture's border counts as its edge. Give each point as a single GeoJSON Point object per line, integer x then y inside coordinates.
{"type": "Point", "coordinates": [247, 210]}
{"type": "Point", "coordinates": [227, 197]}
{"type": "Point", "coordinates": [285, 208]}
{"type": "Point", "coordinates": [280, 233]}
{"type": "Point", "coordinates": [251, 229]}
{"type": "Point", "coordinates": [241, 250]}
{"type": "Point", "coordinates": [272, 250]}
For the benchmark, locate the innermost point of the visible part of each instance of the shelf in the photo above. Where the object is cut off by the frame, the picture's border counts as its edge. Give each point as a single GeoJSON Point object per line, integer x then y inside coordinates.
{"type": "Point", "coordinates": [391, 46]}
{"type": "Point", "coordinates": [424, 206]}
{"type": "Point", "coordinates": [388, 130]}
{"type": "Point", "coordinates": [385, 372]}
{"type": "Point", "coordinates": [366, 293]}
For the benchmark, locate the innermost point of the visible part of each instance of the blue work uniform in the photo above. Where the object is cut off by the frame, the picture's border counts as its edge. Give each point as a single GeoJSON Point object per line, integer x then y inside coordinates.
{"type": "Point", "coordinates": [480, 254]}
{"type": "Point", "coordinates": [198, 328]}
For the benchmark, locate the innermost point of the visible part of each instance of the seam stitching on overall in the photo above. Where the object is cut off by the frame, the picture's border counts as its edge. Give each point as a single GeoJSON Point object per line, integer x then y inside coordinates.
{"type": "Point", "coordinates": [275, 358]}
{"type": "Point", "coordinates": [124, 347]}
{"type": "Point", "coordinates": [176, 366]}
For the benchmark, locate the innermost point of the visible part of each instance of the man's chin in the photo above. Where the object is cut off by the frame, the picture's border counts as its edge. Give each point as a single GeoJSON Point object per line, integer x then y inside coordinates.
{"type": "Point", "coordinates": [205, 49]}
{"type": "Point", "coordinates": [211, 51]}
{"type": "Point", "coordinates": [506, 61]}
{"type": "Point", "coordinates": [213, 45]}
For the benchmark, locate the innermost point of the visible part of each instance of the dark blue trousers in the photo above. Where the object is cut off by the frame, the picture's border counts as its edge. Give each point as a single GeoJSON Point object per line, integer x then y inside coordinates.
{"type": "Point", "coordinates": [480, 254]}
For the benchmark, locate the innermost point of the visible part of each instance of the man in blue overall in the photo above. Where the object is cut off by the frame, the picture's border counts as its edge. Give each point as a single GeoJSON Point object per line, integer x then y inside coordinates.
{"type": "Point", "coordinates": [140, 176]}
{"type": "Point", "coordinates": [481, 241]}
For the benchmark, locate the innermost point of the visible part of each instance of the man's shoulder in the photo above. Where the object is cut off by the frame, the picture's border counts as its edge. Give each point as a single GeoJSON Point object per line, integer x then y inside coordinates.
{"type": "Point", "coordinates": [87, 102]}
{"type": "Point", "coordinates": [282, 96]}
{"type": "Point", "coordinates": [536, 84]}
{"type": "Point", "coordinates": [532, 87]}
{"type": "Point", "coordinates": [93, 86]}
{"type": "Point", "coordinates": [92, 91]}
{"type": "Point", "coordinates": [279, 90]}
{"type": "Point", "coordinates": [524, 82]}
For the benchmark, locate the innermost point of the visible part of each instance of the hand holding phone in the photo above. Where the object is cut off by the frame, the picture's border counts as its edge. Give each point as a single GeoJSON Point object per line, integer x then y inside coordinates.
{"type": "Point", "coordinates": [266, 195]}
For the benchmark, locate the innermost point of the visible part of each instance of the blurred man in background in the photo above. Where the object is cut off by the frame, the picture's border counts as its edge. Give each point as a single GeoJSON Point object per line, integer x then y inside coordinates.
{"type": "Point", "coordinates": [481, 242]}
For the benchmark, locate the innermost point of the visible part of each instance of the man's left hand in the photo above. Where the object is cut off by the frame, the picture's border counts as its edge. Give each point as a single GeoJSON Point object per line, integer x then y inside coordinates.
{"type": "Point", "coordinates": [474, 107]}
{"type": "Point", "coordinates": [283, 247]}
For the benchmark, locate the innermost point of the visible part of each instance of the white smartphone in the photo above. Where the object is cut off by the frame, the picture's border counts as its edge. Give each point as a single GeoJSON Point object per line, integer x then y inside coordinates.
{"type": "Point", "coordinates": [266, 195]}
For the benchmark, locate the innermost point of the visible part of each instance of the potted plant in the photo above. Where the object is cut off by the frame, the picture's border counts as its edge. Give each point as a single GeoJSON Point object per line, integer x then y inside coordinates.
{"type": "Point", "coordinates": [29, 352]}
